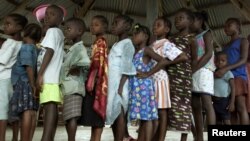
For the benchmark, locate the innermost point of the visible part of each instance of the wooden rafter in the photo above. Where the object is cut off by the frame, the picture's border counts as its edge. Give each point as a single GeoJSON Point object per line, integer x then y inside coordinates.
{"type": "Point", "coordinates": [126, 3]}
{"type": "Point", "coordinates": [213, 5]}
{"type": "Point", "coordinates": [18, 8]}
{"type": "Point", "coordinates": [115, 11]}
{"type": "Point", "coordinates": [13, 2]}
{"type": "Point", "coordinates": [21, 6]}
{"type": "Point", "coordinates": [160, 7]}
{"type": "Point", "coordinates": [82, 11]}
{"type": "Point", "coordinates": [222, 26]}
{"type": "Point", "coordinates": [242, 7]}
{"type": "Point", "coordinates": [151, 11]}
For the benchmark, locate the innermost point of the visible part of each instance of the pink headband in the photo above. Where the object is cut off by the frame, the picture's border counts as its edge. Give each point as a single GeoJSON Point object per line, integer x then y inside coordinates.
{"type": "Point", "coordinates": [39, 11]}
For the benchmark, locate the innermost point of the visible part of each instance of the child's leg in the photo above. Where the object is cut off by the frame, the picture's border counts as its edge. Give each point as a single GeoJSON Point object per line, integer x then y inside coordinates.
{"type": "Point", "coordinates": [15, 130]}
{"type": "Point", "coordinates": [227, 122]}
{"type": "Point", "coordinates": [141, 134]}
{"type": "Point", "coordinates": [193, 127]}
{"type": "Point", "coordinates": [156, 128]}
{"type": "Point", "coordinates": [26, 125]}
{"type": "Point", "coordinates": [3, 126]}
{"type": "Point", "coordinates": [209, 109]}
{"type": "Point", "coordinates": [148, 130]}
{"type": "Point", "coordinates": [50, 121]}
{"type": "Point", "coordinates": [184, 136]}
{"type": "Point", "coordinates": [241, 109]}
{"type": "Point", "coordinates": [162, 128]}
{"type": "Point", "coordinates": [97, 133]}
{"type": "Point", "coordinates": [33, 124]}
{"type": "Point", "coordinates": [197, 113]}
{"type": "Point", "coordinates": [234, 117]}
{"type": "Point", "coordinates": [126, 134]}
{"type": "Point", "coordinates": [71, 127]}
{"type": "Point", "coordinates": [118, 127]}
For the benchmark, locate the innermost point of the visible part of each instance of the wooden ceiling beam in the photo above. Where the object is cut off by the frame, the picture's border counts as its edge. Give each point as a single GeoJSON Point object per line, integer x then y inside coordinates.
{"type": "Point", "coordinates": [222, 26]}
{"type": "Point", "coordinates": [213, 5]}
{"type": "Point", "coordinates": [82, 11]}
{"type": "Point", "coordinates": [13, 2]}
{"type": "Point", "coordinates": [210, 6]}
{"type": "Point", "coordinates": [118, 12]}
{"type": "Point", "coordinates": [18, 8]}
{"type": "Point", "coordinates": [242, 7]}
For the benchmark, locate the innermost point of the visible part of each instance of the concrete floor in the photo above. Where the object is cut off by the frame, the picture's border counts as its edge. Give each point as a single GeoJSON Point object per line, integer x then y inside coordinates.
{"type": "Point", "coordinates": [83, 134]}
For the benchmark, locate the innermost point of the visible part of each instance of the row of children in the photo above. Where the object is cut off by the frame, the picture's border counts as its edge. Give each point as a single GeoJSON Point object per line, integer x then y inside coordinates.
{"type": "Point", "coordinates": [160, 83]}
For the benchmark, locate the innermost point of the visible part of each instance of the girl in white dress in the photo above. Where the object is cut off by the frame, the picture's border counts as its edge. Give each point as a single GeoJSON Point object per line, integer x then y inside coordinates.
{"type": "Point", "coordinates": [120, 67]}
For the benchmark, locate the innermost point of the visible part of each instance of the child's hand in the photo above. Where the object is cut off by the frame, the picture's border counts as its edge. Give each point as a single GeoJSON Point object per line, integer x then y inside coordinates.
{"type": "Point", "coordinates": [34, 91]}
{"type": "Point", "coordinates": [39, 83]}
{"type": "Point", "coordinates": [142, 74]}
{"type": "Point", "coordinates": [231, 106]}
{"type": "Point", "coordinates": [220, 72]}
{"type": "Point", "coordinates": [120, 91]}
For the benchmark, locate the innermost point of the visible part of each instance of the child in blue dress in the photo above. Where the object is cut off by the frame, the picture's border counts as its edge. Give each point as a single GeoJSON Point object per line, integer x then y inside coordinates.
{"type": "Point", "coordinates": [237, 52]}
{"type": "Point", "coordinates": [142, 101]}
{"type": "Point", "coordinates": [23, 102]}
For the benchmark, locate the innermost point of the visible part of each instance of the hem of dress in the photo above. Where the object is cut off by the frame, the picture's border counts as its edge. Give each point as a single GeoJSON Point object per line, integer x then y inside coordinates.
{"type": "Point", "coordinates": [202, 93]}
{"type": "Point", "coordinates": [178, 131]}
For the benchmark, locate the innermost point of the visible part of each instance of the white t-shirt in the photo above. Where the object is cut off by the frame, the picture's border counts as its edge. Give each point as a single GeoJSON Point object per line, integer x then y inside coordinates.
{"type": "Point", "coordinates": [8, 55]}
{"type": "Point", "coordinates": [54, 39]}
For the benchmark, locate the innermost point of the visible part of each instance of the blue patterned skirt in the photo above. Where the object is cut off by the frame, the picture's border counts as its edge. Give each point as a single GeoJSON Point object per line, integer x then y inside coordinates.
{"type": "Point", "coordinates": [21, 100]}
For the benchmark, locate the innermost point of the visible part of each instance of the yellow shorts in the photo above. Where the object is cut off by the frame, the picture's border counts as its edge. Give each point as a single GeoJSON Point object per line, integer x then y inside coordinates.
{"type": "Point", "coordinates": [51, 93]}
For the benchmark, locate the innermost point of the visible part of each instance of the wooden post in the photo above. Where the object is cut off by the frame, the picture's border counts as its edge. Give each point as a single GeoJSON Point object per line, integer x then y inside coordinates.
{"type": "Point", "coordinates": [152, 12]}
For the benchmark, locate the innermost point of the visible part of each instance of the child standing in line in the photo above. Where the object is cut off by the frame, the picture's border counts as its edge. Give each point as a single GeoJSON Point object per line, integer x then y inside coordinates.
{"type": "Point", "coordinates": [49, 64]}
{"type": "Point", "coordinates": [203, 77]}
{"type": "Point", "coordinates": [95, 101]}
{"type": "Point", "coordinates": [168, 50]}
{"type": "Point", "coordinates": [237, 52]}
{"type": "Point", "coordinates": [224, 92]}
{"type": "Point", "coordinates": [23, 103]}
{"type": "Point", "coordinates": [120, 67]}
{"type": "Point", "coordinates": [72, 86]}
{"type": "Point", "coordinates": [142, 100]}
{"type": "Point", "coordinates": [13, 25]}
{"type": "Point", "coordinates": [180, 75]}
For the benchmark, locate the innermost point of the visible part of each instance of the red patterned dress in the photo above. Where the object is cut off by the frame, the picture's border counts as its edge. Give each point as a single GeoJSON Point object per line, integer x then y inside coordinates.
{"type": "Point", "coordinates": [94, 104]}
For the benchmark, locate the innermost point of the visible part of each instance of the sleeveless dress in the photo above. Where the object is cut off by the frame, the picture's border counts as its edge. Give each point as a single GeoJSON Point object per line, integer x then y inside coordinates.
{"type": "Point", "coordinates": [180, 75]}
{"type": "Point", "coordinates": [142, 102]}
{"type": "Point", "coordinates": [203, 79]}
{"type": "Point", "coordinates": [233, 52]}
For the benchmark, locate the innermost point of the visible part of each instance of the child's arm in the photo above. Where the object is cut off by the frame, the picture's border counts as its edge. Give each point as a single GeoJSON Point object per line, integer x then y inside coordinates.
{"type": "Point", "coordinates": [243, 59]}
{"type": "Point", "coordinates": [232, 96]}
{"type": "Point", "coordinates": [194, 55]}
{"type": "Point", "coordinates": [27, 60]}
{"type": "Point", "coordinates": [30, 73]}
{"type": "Point", "coordinates": [127, 66]}
{"type": "Point", "coordinates": [208, 51]}
{"type": "Point", "coordinates": [46, 60]}
{"type": "Point", "coordinates": [161, 62]}
{"type": "Point", "coordinates": [122, 82]}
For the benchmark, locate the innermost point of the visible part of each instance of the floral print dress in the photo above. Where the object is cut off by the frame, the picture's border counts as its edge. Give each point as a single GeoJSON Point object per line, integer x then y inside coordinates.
{"type": "Point", "coordinates": [142, 101]}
